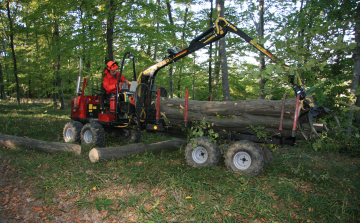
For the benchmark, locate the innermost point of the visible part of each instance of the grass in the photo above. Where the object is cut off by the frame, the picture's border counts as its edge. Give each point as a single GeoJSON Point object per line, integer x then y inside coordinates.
{"type": "Point", "coordinates": [299, 185]}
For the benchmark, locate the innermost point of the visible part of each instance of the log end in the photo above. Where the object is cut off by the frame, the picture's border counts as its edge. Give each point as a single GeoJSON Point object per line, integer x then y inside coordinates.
{"type": "Point", "coordinates": [76, 149]}
{"type": "Point", "coordinates": [94, 155]}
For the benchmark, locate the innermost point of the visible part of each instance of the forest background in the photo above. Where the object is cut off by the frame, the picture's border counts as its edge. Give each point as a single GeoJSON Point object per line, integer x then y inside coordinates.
{"type": "Point", "coordinates": [42, 42]}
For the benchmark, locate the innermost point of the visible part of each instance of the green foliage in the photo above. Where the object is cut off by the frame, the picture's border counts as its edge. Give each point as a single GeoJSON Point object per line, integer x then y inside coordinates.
{"type": "Point", "coordinates": [341, 142]}
{"type": "Point", "coordinates": [202, 128]}
{"type": "Point", "coordinates": [314, 40]}
{"type": "Point", "coordinates": [259, 132]}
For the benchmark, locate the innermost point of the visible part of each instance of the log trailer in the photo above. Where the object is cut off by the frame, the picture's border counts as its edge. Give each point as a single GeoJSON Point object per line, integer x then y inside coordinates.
{"type": "Point", "coordinates": [133, 110]}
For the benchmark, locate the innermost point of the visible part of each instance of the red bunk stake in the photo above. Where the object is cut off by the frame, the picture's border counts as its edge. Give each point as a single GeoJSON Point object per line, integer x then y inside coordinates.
{"type": "Point", "coordinates": [158, 107]}
{"type": "Point", "coordinates": [296, 115]}
{"type": "Point", "coordinates": [210, 97]}
{"type": "Point", "coordinates": [186, 108]}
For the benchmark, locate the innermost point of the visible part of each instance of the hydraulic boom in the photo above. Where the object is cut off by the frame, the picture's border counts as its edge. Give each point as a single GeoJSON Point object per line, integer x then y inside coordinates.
{"type": "Point", "coordinates": [310, 111]}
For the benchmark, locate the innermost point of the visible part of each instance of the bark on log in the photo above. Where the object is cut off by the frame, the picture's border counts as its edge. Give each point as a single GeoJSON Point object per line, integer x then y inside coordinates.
{"type": "Point", "coordinates": [114, 153]}
{"type": "Point", "coordinates": [232, 115]}
{"type": "Point", "coordinates": [13, 142]}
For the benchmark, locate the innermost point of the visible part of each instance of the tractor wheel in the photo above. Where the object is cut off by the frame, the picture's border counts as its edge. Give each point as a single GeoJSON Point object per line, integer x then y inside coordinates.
{"type": "Point", "coordinates": [72, 132]}
{"type": "Point", "coordinates": [130, 135]}
{"type": "Point", "coordinates": [201, 152]}
{"type": "Point", "coordinates": [93, 134]}
{"type": "Point", "coordinates": [244, 157]}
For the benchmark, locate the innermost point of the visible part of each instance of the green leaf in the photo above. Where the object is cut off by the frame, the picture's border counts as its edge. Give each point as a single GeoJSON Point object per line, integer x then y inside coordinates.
{"type": "Point", "coordinates": [269, 69]}
{"type": "Point", "coordinates": [108, 202]}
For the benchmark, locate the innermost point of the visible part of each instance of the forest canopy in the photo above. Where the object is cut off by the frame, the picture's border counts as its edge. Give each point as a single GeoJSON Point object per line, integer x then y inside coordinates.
{"type": "Point", "coordinates": [42, 42]}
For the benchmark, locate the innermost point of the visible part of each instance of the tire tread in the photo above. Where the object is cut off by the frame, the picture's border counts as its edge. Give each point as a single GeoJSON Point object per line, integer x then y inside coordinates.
{"type": "Point", "coordinates": [213, 151]}
{"type": "Point", "coordinates": [255, 152]}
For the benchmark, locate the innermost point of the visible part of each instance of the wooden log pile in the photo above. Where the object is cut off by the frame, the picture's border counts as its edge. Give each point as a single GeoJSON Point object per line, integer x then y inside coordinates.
{"type": "Point", "coordinates": [232, 116]}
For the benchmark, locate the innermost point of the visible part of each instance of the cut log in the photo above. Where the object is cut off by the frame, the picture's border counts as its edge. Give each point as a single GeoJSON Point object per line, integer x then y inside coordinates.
{"type": "Point", "coordinates": [15, 142]}
{"type": "Point", "coordinates": [114, 153]}
{"type": "Point", "coordinates": [232, 116]}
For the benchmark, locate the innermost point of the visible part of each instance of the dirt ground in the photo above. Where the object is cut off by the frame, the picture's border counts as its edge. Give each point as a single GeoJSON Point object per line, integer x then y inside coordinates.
{"type": "Point", "coordinates": [19, 203]}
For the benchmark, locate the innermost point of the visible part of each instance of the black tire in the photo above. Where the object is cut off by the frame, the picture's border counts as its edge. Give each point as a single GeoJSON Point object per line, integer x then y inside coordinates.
{"type": "Point", "coordinates": [72, 132]}
{"type": "Point", "coordinates": [201, 152]}
{"type": "Point", "coordinates": [223, 149]}
{"type": "Point", "coordinates": [128, 135]}
{"type": "Point", "coordinates": [268, 154]}
{"type": "Point", "coordinates": [93, 134]}
{"type": "Point", "coordinates": [244, 157]}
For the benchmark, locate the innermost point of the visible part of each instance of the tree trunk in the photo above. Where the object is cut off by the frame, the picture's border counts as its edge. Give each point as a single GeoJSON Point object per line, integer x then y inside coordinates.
{"type": "Point", "coordinates": [356, 75]}
{"type": "Point", "coordinates": [262, 80]}
{"type": "Point", "coordinates": [13, 51]}
{"type": "Point", "coordinates": [114, 153]}
{"type": "Point", "coordinates": [232, 116]}
{"type": "Point", "coordinates": [216, 75]}
{"type": "Point", "coordinates": [58, 65]}
{"type": "Point", "coordinates": [224, 67]}
{"type": "Point", "coordinates": [110, 29]}
{"type": "Point", "coordinates": [171, 21]}
{"type": "Point", "coordinates": [210, 49]}
{"type": "Point", "coordinates": [157, 29]}
{"type": "Point", "coordinates": [15, 142]}
{"type": "Point", "coordinates": [182, 47]}
{"type": "Point", "coordinates": [30, 89]}
{"type": "Point", "coordinates": [2, 86]}
{"type": "Point", "coordinates": [54, 95]}
{"type": "Point", "coordinates": [38, 63]}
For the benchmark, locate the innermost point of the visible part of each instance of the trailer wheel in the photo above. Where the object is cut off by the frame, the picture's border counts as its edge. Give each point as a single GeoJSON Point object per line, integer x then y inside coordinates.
{"type": "Point", "coordinates": [93, 134]}
{"type": "Point", "coordinates": [130, 135]}
{"type": "Point", "coordinates": [72, 132]}
{"type": "Point", "coordinates": [201, 152]}
{"type": "Point", "coordinates": [244, 157]}
{"type": "Point", "coordinates": [268, 154]}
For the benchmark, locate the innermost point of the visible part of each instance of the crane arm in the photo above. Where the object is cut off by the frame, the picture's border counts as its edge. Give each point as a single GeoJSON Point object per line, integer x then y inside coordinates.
{"type": "Point", "coordinates": [213, 34]}
{"type": "Point", "coordinates": [310, 111]}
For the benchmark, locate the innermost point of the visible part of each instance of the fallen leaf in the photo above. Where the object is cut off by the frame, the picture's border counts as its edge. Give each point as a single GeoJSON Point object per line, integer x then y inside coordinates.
{"type": "Point", "coordinates": [37, 209]}
{"type": "Point", "coordinates": [188, 197]}
{"type": "Point", "coordinates": [311, 209]}
{"type": "Point", "coordinates": [191, 207]}
{"type": "Point", "coordinates": [147, 207]}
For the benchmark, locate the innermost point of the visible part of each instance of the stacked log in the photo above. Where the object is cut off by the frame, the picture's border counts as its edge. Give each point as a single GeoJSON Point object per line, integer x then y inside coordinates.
{"type": "Point", "coordinates": [232, 116]}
